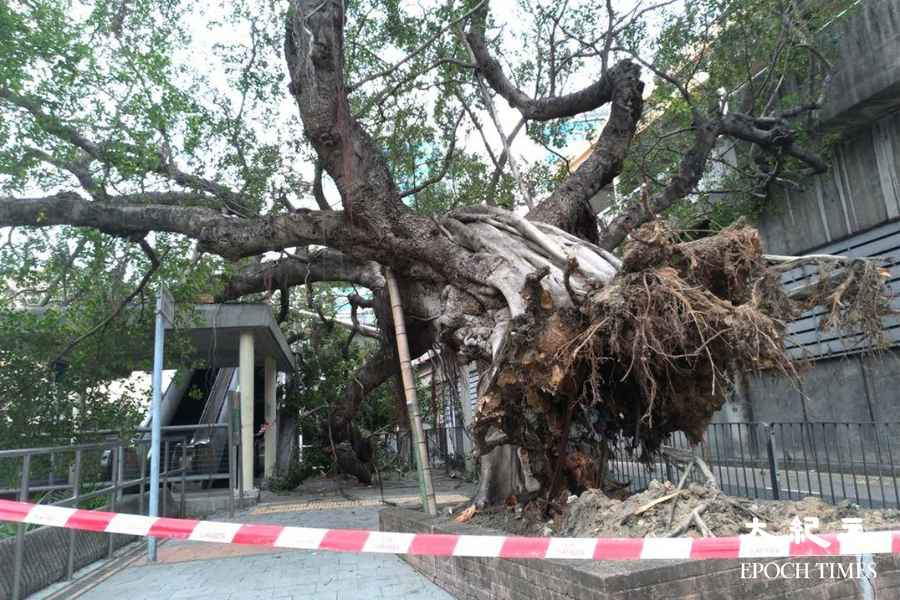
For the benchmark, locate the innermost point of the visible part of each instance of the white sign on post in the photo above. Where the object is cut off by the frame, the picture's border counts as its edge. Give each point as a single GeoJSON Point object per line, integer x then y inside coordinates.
{"type": "Point", "coordinates": [167, 304]}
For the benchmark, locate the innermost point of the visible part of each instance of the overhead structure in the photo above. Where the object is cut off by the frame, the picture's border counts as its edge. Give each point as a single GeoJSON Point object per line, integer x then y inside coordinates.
{"type": "Point", "coordinates": [246, 337]}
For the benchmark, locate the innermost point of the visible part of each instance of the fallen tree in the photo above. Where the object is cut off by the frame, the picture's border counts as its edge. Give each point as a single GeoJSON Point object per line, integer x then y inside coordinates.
{"type": "Point", "coordinates": [590, 332]}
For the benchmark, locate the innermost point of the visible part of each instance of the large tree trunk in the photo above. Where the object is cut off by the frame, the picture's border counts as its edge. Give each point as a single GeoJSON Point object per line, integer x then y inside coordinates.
{"type": "Point", "coordinates": [287, 450]}
{"type": "Point", "coordinates": [504, 475]}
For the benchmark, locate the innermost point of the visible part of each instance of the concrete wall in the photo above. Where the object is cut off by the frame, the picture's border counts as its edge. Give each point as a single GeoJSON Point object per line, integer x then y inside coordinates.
{"type": "Point", "coordinates": [866, 82]}
{"type": "Point", "coordinates": [861, 190]}
{"type": "Point", "coordinates": [859, 194]}
{"type": "Point", "coordinates": [499, 579]}
{"type": "Point", "coordinates": [838, 395]}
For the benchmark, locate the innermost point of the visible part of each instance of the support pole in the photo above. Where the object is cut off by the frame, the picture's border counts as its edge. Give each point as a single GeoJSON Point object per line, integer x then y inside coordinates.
{"type": "Point", "coordinates": [773, 464]}
{"type": "Point", "coordinates": [271, 417]}
{"type": "Point", "coordinates": [234, 423]}
{"type": "Point", "coordinates": [19, 551]}
{"type": "Point", "coordinates": [426, 488]}
{"type": "Point", "coordinates": [245, 381]}
{"type": "Point", "coordinates": [164, 308]}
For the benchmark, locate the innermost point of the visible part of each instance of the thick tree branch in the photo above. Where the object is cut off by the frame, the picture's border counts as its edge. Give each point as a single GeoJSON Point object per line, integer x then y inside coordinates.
{"type": "Point", "coordinates": [285, 304]}
{"type": "Point", "coordinates": [185, 199]}
{"type": "Point", "coordinates": [105, 154]}
{"type": "Point", "coordinates": [690, 171]}
{"type": "Point", "coordinates": [356, 302]}
{"type": "Point", "coordinates": [318, 190]}
{"type": "Point", "coordinates": [495, 119]}
{"type": "Point", "coordinates": [371, 201]}
{"type": "Point", "coordinates": [771, 133]}
{"type": "Point", "coordinates": [568, 207]}
{"type": "Point", "coordinates": [376, 370]}
{"type": "Point", "coordinates": [543, 109]}
{"type": "Point", "coordinates": [314, 51]}
{"type": "Point", "coordinates": [300, 268]}
{"type": "Point", "coordinates": [216, 233]}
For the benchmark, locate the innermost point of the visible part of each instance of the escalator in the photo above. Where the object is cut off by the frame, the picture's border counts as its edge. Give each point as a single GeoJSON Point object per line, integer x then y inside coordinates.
{"type": "Point", "coordinates": [205, 448]}
{"type": "Point", "coordinates": [209, 445]}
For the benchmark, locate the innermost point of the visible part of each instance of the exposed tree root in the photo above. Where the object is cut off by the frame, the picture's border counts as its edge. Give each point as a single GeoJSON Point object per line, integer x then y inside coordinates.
{"type": "Point", "coordinates": [586, 350]}
{"type": "Point", "coordinates": [653, 350]}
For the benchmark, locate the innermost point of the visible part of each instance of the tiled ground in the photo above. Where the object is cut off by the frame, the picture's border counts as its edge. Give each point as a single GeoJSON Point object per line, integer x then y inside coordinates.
{"type": "Point", "coordinates": [197, 570]}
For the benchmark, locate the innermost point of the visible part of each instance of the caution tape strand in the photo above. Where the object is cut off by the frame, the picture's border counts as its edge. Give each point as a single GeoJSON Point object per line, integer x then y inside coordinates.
{"type": "Point", "coordinates": [431, 544]}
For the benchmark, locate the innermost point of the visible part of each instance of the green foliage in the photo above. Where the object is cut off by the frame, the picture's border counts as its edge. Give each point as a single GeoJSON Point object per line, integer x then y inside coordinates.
{"type": "Point", "coordinates": [120, 75]}
{"type": "Point", "coordinates": [328, 363]}
{"type": "Point", "coordinates": [127, 83]}
{"type": "Point", "coordinates": [60, 289]}
{"type": "Point", "coordinates": [757, 57]}
{"type": "Point", "coordinates": [37, 405]}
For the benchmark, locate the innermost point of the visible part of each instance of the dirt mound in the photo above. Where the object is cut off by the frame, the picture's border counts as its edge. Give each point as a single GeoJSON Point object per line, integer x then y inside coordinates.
{"type": "Point", "coordinates": [662, 511]}
{"type": "Point", "coordinates": [650, 513]}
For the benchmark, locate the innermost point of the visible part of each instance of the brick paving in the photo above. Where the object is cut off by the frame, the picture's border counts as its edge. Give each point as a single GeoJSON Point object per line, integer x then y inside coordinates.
{"type": "Point", "coordinates": [199, 570]}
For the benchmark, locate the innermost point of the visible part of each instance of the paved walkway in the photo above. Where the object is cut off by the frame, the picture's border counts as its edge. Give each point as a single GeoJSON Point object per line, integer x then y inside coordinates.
{"type": "Point", "coordinates": [200, 571]}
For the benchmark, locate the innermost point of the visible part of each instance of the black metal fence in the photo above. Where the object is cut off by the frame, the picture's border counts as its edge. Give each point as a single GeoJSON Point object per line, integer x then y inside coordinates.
{"type": "Point", "coordinates": [446, 447]}
{"type": "Point", "coordinates": [834, 461]}
{"type": "Point", "coordinates": [855, 461]}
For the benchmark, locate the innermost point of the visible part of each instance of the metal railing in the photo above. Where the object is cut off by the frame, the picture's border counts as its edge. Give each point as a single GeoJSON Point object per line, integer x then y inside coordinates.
{"type": "Point", "coordinates": [852, 461]}
{"type": "Point", "coordinates": [446, 446]}
{"type": "Point", "coordinates": [114, 474]}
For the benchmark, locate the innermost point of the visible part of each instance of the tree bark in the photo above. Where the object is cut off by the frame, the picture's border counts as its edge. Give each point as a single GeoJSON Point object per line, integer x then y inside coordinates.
{"type": "Point", "coordinates": [216, 233]}
{"type": "Point", "coordinates": [300, 268]}
{"type": "Point", "coordinates": [287, 451]}
{"type": "Point", "coordinates": [569, 207]}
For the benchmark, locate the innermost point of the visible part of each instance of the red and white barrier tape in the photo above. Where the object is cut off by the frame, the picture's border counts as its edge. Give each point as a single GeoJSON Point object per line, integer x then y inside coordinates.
{"type": "Point", "coordinates": [356, 540]}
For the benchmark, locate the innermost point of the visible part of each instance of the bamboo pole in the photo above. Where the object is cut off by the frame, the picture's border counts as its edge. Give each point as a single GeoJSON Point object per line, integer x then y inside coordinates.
{"type": "Point", "coordinates": [426, 488]}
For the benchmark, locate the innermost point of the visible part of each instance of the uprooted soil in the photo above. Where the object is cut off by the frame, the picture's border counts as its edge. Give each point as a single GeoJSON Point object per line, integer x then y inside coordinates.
{"type": "Point", "coordinates": [655, 350]}
{"type": "Point", "coordinates": [594, 514]}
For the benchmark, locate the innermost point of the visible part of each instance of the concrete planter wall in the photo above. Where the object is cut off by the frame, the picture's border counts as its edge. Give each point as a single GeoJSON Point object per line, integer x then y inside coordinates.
{"type": "Point", "coordinates": [498, 579]}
